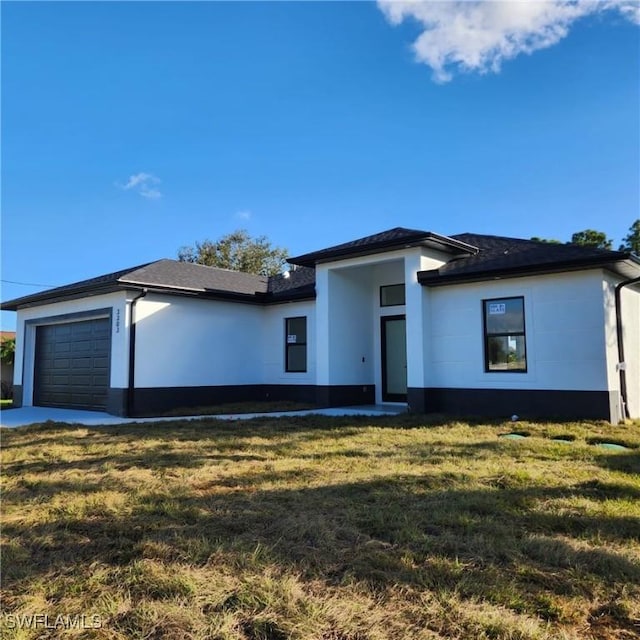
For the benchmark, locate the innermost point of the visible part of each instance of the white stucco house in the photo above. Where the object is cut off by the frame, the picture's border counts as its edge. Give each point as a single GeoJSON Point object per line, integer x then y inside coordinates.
{"type": "Point", "coordinates": [465, 324]}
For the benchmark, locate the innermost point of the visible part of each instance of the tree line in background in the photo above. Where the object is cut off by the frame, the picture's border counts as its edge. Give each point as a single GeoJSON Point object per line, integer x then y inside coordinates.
{"type": "Point", "coordinates": [599, 239]}
{"type": "Point", "coordinates": [238, 251]}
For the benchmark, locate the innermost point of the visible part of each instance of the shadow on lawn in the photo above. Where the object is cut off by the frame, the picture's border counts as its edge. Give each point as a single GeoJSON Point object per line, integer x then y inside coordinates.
{"type": "Point", "coordinates": [494, 544]}
{"type": "Point", "coordinates": [499, 544]}
{"type": "Point", "coordinates": [280, 438]}
{"type": "Point", "coordinates": [628, 462]}
{"type": "Point", "coordinates": [294, 428]}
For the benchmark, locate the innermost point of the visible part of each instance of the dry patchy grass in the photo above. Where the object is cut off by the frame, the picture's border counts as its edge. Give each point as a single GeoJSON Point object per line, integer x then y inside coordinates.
{"type": "Point", "coordinates": [264, 406]}
{"type": "Point", "coordinates": [322, 528]}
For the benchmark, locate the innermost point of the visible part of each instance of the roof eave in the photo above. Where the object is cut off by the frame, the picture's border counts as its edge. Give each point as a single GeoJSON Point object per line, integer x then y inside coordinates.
{"type": "Point", "coordinates": [627, 268]}
{"type": "Point", "coordinates": [50, 297]}
{"type": "Point", "coordinates": [430, 240]}
{"type": "Point", "coordinates": [204, 294]}
{"type": "Point", "coordinates": [296, 296]}
{"type": "Point", "coordinates": [259, 297]}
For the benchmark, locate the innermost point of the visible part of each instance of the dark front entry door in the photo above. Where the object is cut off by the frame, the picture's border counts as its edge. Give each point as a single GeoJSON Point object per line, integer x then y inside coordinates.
{"type": "Point", "coordinates": [394, 358]}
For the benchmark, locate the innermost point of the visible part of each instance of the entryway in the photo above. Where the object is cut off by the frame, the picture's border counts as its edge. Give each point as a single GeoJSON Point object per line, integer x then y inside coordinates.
{"type": "Point", "coordinates": [393, 332]}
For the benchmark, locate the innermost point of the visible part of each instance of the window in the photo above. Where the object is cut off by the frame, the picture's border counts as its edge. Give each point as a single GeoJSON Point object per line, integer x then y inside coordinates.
{"type": "Point", "coordinates": [391, 295]}
{"type": "Point", "coordinates": [296, 344]}
{"type": "Point", "coordinates": [504, 335]}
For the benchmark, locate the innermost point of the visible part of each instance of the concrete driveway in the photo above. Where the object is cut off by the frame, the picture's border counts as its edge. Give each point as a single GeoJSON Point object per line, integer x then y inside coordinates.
{"type": "Point", "coordinates": [34, 415]}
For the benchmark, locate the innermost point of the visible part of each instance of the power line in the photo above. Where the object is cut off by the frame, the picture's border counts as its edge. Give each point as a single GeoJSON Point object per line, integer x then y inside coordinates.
{"type": "Point", "coordinates": [28, 284]}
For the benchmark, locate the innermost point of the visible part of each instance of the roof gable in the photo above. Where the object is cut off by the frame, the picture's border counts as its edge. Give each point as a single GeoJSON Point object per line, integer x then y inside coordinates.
{"type": "Point", "coordinates": [396, 238]}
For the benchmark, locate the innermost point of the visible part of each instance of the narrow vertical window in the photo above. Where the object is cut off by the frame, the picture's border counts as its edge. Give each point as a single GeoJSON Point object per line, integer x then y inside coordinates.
{"type": "Point", "coordinates": [296, 344]}
{"type": "Point", "coordinates": [504, 335]}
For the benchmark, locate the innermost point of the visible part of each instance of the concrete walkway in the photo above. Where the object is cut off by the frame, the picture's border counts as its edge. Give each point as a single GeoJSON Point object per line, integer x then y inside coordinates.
{"type": "Point", "coordinates": [33, 415]}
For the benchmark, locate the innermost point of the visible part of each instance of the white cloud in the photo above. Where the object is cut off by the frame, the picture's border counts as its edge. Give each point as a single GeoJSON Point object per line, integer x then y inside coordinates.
{"type": "Point", "coordinates": [146, 184]}
{"type": "Point", "coordinates": [243, 215]}
{"type": "Point", "coordinates": [480, 35]}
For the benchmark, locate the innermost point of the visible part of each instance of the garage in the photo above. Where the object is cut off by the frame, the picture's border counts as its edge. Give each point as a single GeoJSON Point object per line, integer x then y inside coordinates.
{"type": "Point", "coordinates": [72, 364]}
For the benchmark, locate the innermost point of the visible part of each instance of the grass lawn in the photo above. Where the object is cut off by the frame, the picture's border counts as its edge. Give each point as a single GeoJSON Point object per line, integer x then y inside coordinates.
{"type": "Point", "coordinates": [241, 407]}
{"type": "Point", "coordinates": [321, 528]}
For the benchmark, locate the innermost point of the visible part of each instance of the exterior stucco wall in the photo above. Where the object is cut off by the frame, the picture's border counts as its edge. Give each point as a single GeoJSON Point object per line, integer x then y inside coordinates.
{"type": "Point", "coordinates": [29, 319]}
{"type": "Point", "coordinates": [631, 336]}
{"type": "Point", "coordinates": [630, 307]}
{"type": "Point", "coordinates": [350, 343]}
{"type": "Point", "coordinates": [417, 311]}
{"type": "Point", "coordinates": [349, 313]}
{"type": "Point", "coordinates": [183, 342]}
{"type": "Point", "coordinates": [565, 342]}
{"type": "Point", "coordinates": [187, 342]}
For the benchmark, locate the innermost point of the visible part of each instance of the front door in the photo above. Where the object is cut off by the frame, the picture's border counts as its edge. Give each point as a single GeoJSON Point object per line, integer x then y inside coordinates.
{"type": "Point", "coordinates": [394, 358]}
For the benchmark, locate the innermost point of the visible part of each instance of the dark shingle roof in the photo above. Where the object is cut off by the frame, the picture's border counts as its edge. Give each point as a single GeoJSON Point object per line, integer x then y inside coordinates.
{"type": "Point", "coordinates": [195, 277]}
{"type": "Point", "coordinates": [183, 277]}
{"type": "Point", "coordinates": [476, 257]}
{"type": "Point", "coordinates": [103, 283]}
{"type": "Point", "coordinates": [300, 283]}
{"type": "Point", "coordinates": [395, 238]}
{"type": "Point", "coordinates": [500, 256]}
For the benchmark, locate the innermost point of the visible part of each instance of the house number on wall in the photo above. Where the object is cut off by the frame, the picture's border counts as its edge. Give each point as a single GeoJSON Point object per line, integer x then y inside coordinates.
{"type": "Point", "coordinates": [117, 320]}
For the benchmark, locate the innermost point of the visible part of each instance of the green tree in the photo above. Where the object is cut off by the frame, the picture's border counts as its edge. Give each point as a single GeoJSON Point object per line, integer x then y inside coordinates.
{"type": "Point", "coordinates": [7, 350]}
{"type": "Point", "coordinates": [631, 242]}
{"type": "Point", "coordinates": [547, 240]}
{"type": "Point", "coordinates": [591, 238]}
{"type": "Point", "coordinates": [237, 251]}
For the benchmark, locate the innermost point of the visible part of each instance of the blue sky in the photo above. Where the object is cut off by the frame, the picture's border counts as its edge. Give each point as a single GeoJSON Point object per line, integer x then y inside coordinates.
{"type": "Point", "coordinates": [131, 129]}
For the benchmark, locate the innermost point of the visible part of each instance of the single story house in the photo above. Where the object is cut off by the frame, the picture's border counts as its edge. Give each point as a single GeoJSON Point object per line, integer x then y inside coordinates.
{"type": "Point", "coordinates": [466, 324]}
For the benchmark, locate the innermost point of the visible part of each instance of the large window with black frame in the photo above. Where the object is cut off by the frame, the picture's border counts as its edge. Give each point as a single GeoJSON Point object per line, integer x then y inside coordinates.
{"type": "Point", "coordinates": [504, 335]}
{"type": "Point", "coordinates": [296, 345]}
